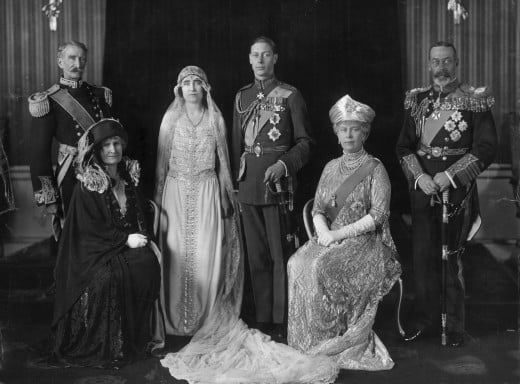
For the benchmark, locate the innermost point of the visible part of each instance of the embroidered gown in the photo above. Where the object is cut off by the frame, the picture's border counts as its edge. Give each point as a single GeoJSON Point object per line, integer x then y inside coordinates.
{"type": "Point", "coordinates": [105, 291]}
{"type": "Point", "coordinates": [334, 291]}
{"type": "Point", "coordinates": [192, 227]}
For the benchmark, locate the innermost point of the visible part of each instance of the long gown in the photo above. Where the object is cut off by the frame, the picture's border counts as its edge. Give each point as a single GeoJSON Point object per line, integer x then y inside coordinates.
{"type": "Point", "coordinates": [191, 226]}
{"type": "Point", "coordinates": [334, 291]}
{"type": "Point", "coordinates": [105, 291]}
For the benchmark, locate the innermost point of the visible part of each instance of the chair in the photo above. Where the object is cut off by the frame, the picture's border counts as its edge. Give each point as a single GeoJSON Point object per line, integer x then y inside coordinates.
{"type": "Point", "coordinates": [309, 228]}
{"type": "Point", "coordinates": [153, 215]}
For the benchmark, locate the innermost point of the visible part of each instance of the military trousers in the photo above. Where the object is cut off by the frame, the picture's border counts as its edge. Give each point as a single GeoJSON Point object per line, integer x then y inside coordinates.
{"type": "Point", "coordinates": [266, 262]}
{"type": "Point", "coordinates": [427, 261]}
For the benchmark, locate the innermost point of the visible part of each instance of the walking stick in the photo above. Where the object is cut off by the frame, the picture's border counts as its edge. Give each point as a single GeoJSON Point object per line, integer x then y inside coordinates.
{"type": "Point", "coordinates": [445, 251]}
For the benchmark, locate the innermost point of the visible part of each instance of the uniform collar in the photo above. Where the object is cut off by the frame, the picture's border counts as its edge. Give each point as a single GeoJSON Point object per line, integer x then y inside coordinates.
{"type": "Point", "coordinates": [263, 84]}
{"type": "Point", "coordinates": [71, 83]}
{"type": "Point", "coordinates": [449, 88]}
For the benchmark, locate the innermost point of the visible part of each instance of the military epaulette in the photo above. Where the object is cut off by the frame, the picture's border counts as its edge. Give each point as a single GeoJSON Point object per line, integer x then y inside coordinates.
{"type": "Point", "coordinates": [474, 99]}
{"type": "Point", "coordinates": [39, 104]}
{"type": "Point", "coordinates": [410, 99]}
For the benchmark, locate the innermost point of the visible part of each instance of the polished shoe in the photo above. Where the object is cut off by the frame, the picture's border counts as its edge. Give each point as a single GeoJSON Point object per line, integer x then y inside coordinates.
{"type": "Point", "coordinates": [455, 339]}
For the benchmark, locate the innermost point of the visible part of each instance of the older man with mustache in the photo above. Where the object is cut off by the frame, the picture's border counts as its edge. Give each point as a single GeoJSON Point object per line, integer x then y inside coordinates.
{"type": "Point", "coordinates": [63, 112]}
{"type": "Point", "coordinates": [447, 140]}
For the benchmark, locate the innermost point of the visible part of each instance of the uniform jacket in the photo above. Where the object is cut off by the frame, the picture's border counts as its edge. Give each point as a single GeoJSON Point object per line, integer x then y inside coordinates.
{"type": "Point", "coordinates": [51, 121]}
{"type": "Point", "coordinates": [454, 133]}
{"type": "Point", "coordinates": [284, 133]}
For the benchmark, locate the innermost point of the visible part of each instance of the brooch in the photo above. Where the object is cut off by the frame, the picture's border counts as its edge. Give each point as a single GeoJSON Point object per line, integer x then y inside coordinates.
{"type": "Point", "coordinates": [274, 134]}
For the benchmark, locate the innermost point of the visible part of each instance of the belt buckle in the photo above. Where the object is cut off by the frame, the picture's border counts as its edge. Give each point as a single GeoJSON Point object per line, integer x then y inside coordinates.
{"type": "Point", "coordinates": [436, 151]}
{"type": "Point", "coordinates": [257, 149]}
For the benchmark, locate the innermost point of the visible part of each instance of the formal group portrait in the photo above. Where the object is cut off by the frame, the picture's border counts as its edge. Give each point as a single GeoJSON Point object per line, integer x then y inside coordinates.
{"type": "Point", "coordinates": [242, 192]}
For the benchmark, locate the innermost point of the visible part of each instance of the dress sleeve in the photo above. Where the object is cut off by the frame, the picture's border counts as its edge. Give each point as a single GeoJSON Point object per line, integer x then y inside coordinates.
{"type": "Point", "coordinates": [380, 196]}
{"type": "Point", "coordinates": [322, 192]}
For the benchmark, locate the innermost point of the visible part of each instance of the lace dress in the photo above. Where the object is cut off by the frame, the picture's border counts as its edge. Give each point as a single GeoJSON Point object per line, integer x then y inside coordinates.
{"type": "Point", "coordinates": [191, 228]}
{"type": "Point", "coordinates": [334, 291]}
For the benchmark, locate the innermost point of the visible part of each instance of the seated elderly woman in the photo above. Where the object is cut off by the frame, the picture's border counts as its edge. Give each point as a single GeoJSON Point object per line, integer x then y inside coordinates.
{"type": "Point", "coordinates": [107, 276]}
{"type": "Point", "coordinates": [338, 277]}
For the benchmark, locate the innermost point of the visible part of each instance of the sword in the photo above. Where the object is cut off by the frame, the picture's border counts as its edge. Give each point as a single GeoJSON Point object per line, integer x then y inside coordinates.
{"type": "Point", "coordinates": [445, 252]}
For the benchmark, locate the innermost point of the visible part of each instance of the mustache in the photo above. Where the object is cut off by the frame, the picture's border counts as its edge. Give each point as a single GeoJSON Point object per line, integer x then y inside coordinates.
{"type": "Point", "coordinates": [442, 73]}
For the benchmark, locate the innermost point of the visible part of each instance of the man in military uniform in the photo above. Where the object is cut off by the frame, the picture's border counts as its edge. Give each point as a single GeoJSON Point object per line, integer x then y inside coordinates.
{"type": "Point", "coordinates": [447, 140]}
{"type": "Point", "coordinates": [270, 142]}
{"type": "Point", "coordinates": [63, 112]}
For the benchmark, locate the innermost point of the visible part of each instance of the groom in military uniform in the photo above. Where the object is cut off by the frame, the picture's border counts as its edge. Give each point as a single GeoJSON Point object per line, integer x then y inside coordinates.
{"type": "Point", "coordinates": [447, 140]}
{"type": "Point", "coordinates": [270, 142]}
{"type": "Point", "coordinates": [63, 112]}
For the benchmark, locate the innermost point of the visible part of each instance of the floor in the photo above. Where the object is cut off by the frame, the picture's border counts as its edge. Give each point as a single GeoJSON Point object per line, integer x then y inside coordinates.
{"type": "Point", "coordinates": [491, 353]}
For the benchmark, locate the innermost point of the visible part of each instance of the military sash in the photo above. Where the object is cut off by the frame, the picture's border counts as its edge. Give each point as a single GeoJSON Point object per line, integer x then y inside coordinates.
{"type": "Point", "coordinates": [67, 153]}
{"type": "Point", "coordinates": [433, 125]}
{"type": "Point", "coordinates": [262, 115]}
{"type": "Point", "coordinates": [73, 108]}
{"type": "Point", "coordinates": [345, 189]}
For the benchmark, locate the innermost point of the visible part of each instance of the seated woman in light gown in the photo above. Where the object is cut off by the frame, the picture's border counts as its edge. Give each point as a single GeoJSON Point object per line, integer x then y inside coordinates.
{"type": "Point", "coordinates": [203, 265]}
{"type": "Point", "coordinates": [107, 276]}
{"type": "Point", "coordinates": [337, 278]}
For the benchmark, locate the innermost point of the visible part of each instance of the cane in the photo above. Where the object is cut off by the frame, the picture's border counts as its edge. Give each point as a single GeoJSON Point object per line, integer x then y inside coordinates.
{"type": "Point", "coordinates": [444, 240]}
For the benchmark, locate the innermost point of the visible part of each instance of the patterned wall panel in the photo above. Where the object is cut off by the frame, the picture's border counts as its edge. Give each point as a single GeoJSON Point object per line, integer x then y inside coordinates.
{"type": "Point", "coordinates": [28, 59]}
{"type": "Point", "coordinates": [487, 43]}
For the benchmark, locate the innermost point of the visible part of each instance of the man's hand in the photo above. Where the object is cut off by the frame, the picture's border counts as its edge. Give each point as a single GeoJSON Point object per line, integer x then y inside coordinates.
{"type": "Point", "coordinates": [51, 209]}
{"type": "Point", "coordinates": [274, 172]}
{"type": "Point", "coordinates": [427, 185]}
{"type": "Point", "coordinates": [442, 180]}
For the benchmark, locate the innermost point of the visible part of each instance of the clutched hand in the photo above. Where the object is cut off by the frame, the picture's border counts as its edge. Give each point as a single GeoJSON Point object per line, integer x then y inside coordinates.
{"type": "Point", "coordinates": [442, 180]}
{"type": "Point", "coordinates": [328, 237]}
{"type": "Point", "coordinates": [136, 240]}
{"type": "Point", "coordinates": [274, 172]}
{"type": "Point", "coordinates": [427, 185]}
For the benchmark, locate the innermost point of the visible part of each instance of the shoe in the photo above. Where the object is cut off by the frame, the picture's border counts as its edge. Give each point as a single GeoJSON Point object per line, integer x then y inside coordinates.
{"type": "Point", "coordinates": [159, 353]}
{"type": "Point", "coordinates": [414, 333]}
{"type": "Point", "coordinates": [455, 339]}
{"type": "Point", "coordinates": [278, 333]}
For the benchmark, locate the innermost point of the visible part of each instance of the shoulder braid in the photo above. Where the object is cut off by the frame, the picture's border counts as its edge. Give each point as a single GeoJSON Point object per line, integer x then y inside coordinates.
{"type": "Point", "coordinates": [39, 104]}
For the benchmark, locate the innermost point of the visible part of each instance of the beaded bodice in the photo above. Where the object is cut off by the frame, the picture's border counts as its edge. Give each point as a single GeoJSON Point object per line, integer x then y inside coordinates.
{"type": "Point", "coordinates": [193, 148]}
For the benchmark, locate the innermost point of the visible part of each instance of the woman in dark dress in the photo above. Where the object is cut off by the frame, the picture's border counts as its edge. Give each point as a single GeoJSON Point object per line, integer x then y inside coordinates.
{"type": "Point", "coordinates": [107, 275]}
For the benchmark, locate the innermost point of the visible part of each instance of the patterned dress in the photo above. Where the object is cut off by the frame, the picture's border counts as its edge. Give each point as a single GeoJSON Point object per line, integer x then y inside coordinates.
{"type": "Point", "coordinates": [192, 227]}
{"type": "Point", "coordinates": [334, 291]}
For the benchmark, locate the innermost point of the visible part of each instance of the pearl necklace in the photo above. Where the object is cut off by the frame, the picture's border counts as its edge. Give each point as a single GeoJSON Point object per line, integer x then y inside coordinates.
{"type": "Point", "coordinates": [351, 161]}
